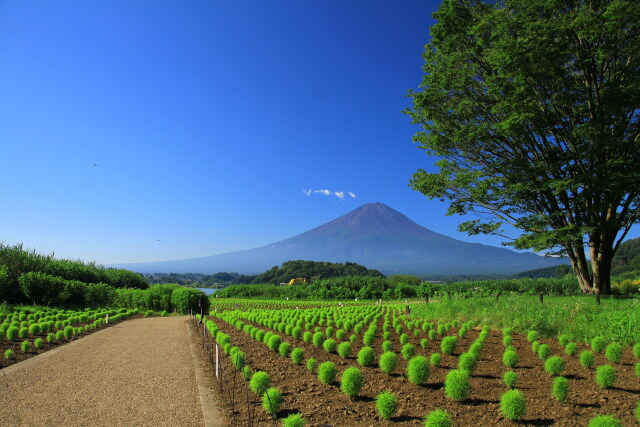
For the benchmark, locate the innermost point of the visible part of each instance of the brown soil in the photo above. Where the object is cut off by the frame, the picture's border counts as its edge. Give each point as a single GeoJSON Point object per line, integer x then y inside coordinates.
{"type": "Point", "coordinates": [138, 372]}
{"type": "Point", "coordinates": [321, 404]}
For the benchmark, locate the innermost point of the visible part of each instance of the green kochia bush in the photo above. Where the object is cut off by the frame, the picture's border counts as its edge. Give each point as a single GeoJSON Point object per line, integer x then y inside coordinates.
{"type": "Point", "coordinates": [284, 349]}
{"type": "Point", "coordinates": [329, 345]}
{"type": "Point", "coordinates": [554, 365]}
{"type": "Point", "coordinates": [274, 342]}
{"type": "Point", "coordinates": [560, 389]}
{"type": "Point", "coordinates": [456, 385]}
{"type": "Point", "coordinates": [605, 376]}
{"type": "Point", "coordinates": [438, 418]}
{"type": "Point", "coordinates": [311, 364]}
{"type": "Point", "coordinates": [510, 378]}
{"type": "Point", "coordinates": [366, 356]}
{"type": "Point", "coordinates": [418, 370]}
{"type": "Point", "coordinates": [587, 359]}
{"type": "Point", "coordinates": [351, 382]}
{"type": "Point", "coordinates": [435, 359]}
{"type": "Point", "coordinates": [510, 358]}
{"type": "Point", "coordinates": [571, 349]}
{"type": "Point", "coordinates": [260, 382]}
{"type": "Point", "coordinates": [8, 354]}
{"type": "Point", "coordinates": [25, 346]}
{"type": "Point", "coordinates": [344, 349]}
{"type": "Point", "coordinates": [297, 355]}
{"type": "Point", "coordinates": [327, 373]}
{"type": "Point", "coordinates": [605, 421]}
{"type": "Point", "coordinates": [294, 420]}
{"type": "Point", "coordinates": [448, 344]}
{"type": "Point", "coordinates": [598, 344]}
{"type": "Point", "coordinates": [386, 404]}
{"type": "Point", "coordinates": [613, 352]}
{"type": "Point", "coordinates": [408, 350]}
{"type": "Point", "coordinates": [272, 400]}
{"type": "Point", "coordinates": [467, 362]}
{"type": "Point", "coordinates": [388, 362]}
{"type": "Point", "coordinates": [513, 405]}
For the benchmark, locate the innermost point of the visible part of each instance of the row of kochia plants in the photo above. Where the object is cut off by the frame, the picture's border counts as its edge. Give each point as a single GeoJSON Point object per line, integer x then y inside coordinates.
{"type": "Point", "coordinates": [337, 331]}
{"type": "Point", "coordinates": [27, 330]}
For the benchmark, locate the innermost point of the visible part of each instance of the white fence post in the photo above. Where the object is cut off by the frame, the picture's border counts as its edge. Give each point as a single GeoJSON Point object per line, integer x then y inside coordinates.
{"type": "Point", "coordinates": [216, 360]}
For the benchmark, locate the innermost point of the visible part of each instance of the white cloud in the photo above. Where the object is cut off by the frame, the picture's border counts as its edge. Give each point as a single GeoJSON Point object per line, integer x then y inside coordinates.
{"type": "Point", "coordinates": [326, 192]}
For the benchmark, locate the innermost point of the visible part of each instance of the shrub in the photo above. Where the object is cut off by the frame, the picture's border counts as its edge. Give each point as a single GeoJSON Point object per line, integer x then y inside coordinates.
{"type": "Point", "coordinates": [432, 334]}
{"type": "Point", "coordinates": [513, 405]}
{"type": "Point", "coordinates": [456, 384]}
{"type": "Point", "coordinates": [467, 362]}
{"type": "Point", "coordinates": [37, 343]}
{"type": "Point", "coordinates": [327, 373]}
{"type": "Point", "coordinates": [571, 349]}
{"type": "Point", "coordinates": [560, 389]}
{"type": "Point", "coordinates": [366, 356]}
{"type": "Point", "coordinates": [435, 359]}
{"type": "Point", "coordinates": [598, 344]}
{"type": "Point", "coordinates": [246, 373]}
{"type": "Point", "coordinates": [554, 365]}
{"type": "Point", "coordinates": [297, 355]}
{"type": "Point", "coordinates": [506, 340]}
{"type": "Point", "coordinates": [605, 376]}
{"type": "Point", "coordinates": [638, 369]}
{"type": "Point", "coordinates": [12, 333]}
{"type": "Point", "coordinates": [260, 382]}
{"type": "Point", "coordinates": [8, 354]}
{"type": "Point", "coordinates": [534, 346]}
{"type": "Point", "coordinates": [544, 351]}
{"type": "Point", "coordinates": [448, 344]}
{"type": "Point", "coordinates": [408, 351]}
{"type": "Point", "coordinates": [564, 339]}
{"type": "Point", "coordinates": [387, 346]}
{"type": "Point", "coordinates": [613, 352]}
{"type": "Point", "coordinates": [388, 362]}
{"type": "Point", "coordinates": [68, 332]}
{"type": "Point", "coordinates": [353, 338]}
{"type": "Point", "coordinates": [510, 379]}
{"type": "Point", "coordinates": [23, 332]}
{"type": "Point", "coordinates": [284, 349]}
{"type": "Point", "coordinates": [438, 418]}
{"type": "Point", "coordinates": [605, 421]}
{"type": "Point", "coordinates": [510, 358]}
{"type": "Point", "coordinates": [25, 345]}
{"type": "Point", "coordinates": [329, 346]}
{"type": "Point", "coordinates": [404, 338]}
{"type": "Point", "coordinates": [533, 336]}
{"type": "Point", "coordinates": [271, 401]}
{"type": "Point", "coordinates": [59, 335]}
{"type": "Point", "coordinates": [274, 342]}
{"type": "Point", "coordinates": [311, 364]}
{"type": "Point", "coordinates": [587, 359]}
{"type": "Point", "coordinates": [344, 349]}
{"type": "Point", "coordinates": [294, 420]}
{"type": "Point", "coordinates": [424, 342]}
{"type": "Point", "coordinates": [306, 337]}
{"type": "Point", "coordinates": [386, 404]}
{"type": "Point", "coordinates": [418, 370]}
{"type": "Point", "coordinates": [351, 382]}
{"type": "Point", "coordinates": [318, 339]}
{"type": "Point", "coordinates": [51, 337]}
{"type": "Point", "coordinates": [34, 329]}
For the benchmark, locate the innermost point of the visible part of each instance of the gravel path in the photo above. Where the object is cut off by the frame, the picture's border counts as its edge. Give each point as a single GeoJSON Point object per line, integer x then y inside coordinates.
{"type": "Point", "coordinates": [137, 373]}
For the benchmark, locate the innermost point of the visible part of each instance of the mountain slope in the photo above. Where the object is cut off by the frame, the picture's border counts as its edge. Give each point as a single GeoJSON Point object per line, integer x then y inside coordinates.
{"type": "Point", "coordinates": [373, 235]}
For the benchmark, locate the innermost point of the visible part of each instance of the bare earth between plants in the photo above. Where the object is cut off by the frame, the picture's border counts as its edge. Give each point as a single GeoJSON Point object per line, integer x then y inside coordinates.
{"type": "Point", "coordinates": [325, 404]}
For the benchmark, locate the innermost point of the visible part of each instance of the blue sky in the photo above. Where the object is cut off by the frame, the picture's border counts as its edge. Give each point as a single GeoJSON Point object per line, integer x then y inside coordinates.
{"type": "Point", "coordinates": [209, 122]}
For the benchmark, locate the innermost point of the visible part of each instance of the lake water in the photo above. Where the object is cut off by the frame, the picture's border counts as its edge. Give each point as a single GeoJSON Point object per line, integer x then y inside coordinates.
{"type": "Point", "coordinates": [207, 291]}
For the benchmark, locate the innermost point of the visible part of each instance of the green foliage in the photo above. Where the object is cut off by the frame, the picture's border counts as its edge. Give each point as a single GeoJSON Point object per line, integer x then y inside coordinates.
{"type": "Point", "coordinates": [513, 405]}
{"type": "Point", "coordinates": [318, 339]}
{"type": "Point", "coordinates": [12, 333]}
{"type": "Point", "coordinates": [424, 342]}
{"type": "Point", "coordinates": [68, 332]}
{"type": "Point", "coordinates": [329, 346]}
{"type": "Point", "coordinates": [448, 344]}
{"type": "Point", "coordinates": [605, 421]}
{"type": "Point", "coordinates": [271, 401]}
{"type": "Point", "coordinates": [260, 382]}
{"type": "Point", "coordinates": [187, 299]}
{"type": "Point", "coordinates": [366, 356]}
{"type": "Point", "coordinates": [284, 349]}
{"type": "Point", "coordinates": [297, 355]}
{"type": "Point", "coordinates": [386, 404]}
{"type": "Point", "coordinates": [388, 362]}
{"type": "Point", "coordinates": [344, 349]}
{"type": "Point", "coordinates": [571, 349]}
{"type": "Point", "coordinates": [543, 351]}
{"type": "Point", "coordinates": [598, 344]}
{"type": "Point", "coordinates": [587, 359]}
{"type": "Point", "coordinates": [438, 418]}
{"type": "Point", "coordinates": [560, 389]}
{"type": "Point", "coordinates": [327, 373]}
{"type": "Point", "coordinates": [313, 271]}
{"type": "Point", "coordinates": [351, 382]}
{"type": "Point", "coordinates": [456, 384]}
{"type": "Point", "coordinates": [387, 346]}
{"type": "Point", "coordinates": [246, 373]}
{"type": "Point", "coordinates": [435, 359]}
{"type": "Point", "coordinates": [294, 420]}
{"type": "Point", "coordinates": [613, 352]}
{"type": "Point", "coordinates": [274, 342]}
{"type": "Point", "coordinates": [25, 346]}
{"type": "Point", "coordinates": [554, 365]}
{"type": "Point", "coordinates": [8, 354]}
{"type": "Point", "coordinates": [510, 379]}
{"type": "Point", "coordinates": [467, 362]}
{"type": "Point", "coordinates": [636, 350]}
{"type": "Point", "coordinates": [510, 358]}
{"type": "Point", "coordinates": [311, 364]}
{"type": "Point", "coordinates": [407, 351]}
{"type": "Point", "coordinates": [637, 369]}
{"type": "Point", "coordinates": [37, 343]}
{"type": "Point", "coordinates": [418, 370]}
{"type": "Point", "coordinates": [606, 376]}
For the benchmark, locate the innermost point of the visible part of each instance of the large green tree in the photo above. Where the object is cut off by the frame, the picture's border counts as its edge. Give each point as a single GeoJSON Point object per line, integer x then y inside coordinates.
{"type": "Point", "coordinates": [532, 108]}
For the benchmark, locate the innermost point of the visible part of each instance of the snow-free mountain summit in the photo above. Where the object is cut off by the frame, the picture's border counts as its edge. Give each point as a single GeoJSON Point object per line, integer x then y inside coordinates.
{"type": "Point", "coordinates": [373, 235]}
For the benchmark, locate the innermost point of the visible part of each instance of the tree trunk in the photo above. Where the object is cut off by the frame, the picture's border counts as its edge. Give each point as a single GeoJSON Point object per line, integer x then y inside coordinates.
{"type": "Point", "coordinates": [580, 267]}
{"type": "Point", "coordinates": [601, 260]}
